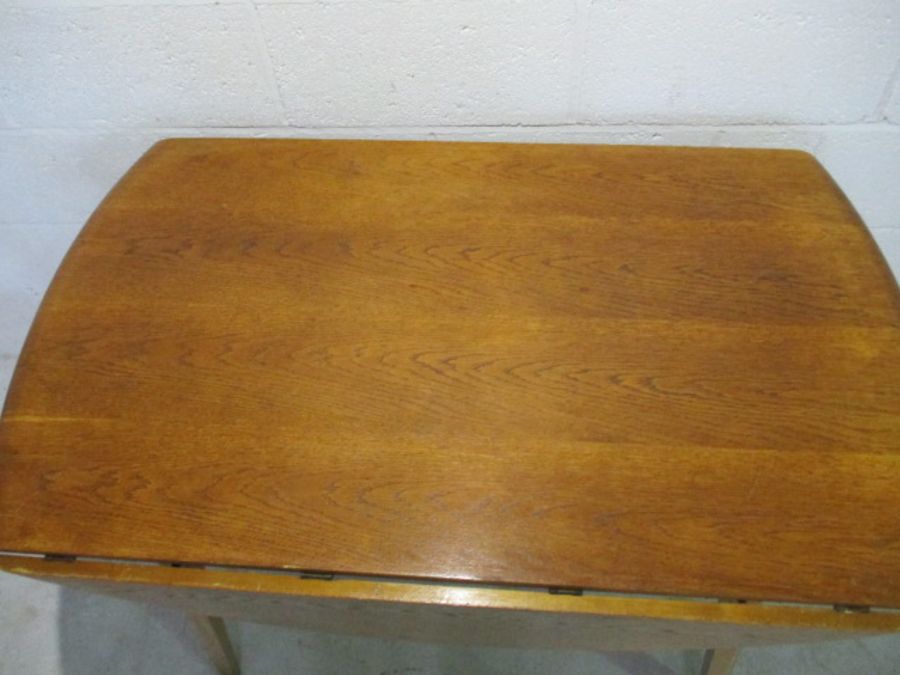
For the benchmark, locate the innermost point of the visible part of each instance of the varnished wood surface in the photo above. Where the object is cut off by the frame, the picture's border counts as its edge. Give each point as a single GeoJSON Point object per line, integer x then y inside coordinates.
{"type": "Point", "coordinates": [461, 614]}
{"type": "Point", "coordinates": [639, 369]}
{"type": "Point", "coordinates": [718, 661]}
{"type": "Point", "coordinates": [214, 637]}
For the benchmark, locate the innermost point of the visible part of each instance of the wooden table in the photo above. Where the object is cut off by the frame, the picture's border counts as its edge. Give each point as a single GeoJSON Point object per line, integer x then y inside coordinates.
{"type": "Point", "coordinates": [570, 396]}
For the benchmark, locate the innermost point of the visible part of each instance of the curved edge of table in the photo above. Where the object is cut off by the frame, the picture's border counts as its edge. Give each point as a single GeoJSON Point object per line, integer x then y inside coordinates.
{"type": "Point", "coordinates": [878, 256]}
{"type": "Point", "coordinates": [100, 574]}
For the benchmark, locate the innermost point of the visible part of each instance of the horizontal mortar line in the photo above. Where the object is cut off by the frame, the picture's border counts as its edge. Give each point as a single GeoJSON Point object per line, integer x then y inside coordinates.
{"type": "Point", "coordinates": [16, 224]}
{"type": "Point", "coordinates": [45, 224]}
{"type": "Point", "coordinates": [624, 126]}
{"type": "Point", "coordinates": [100, 4]}
{"type": "Point", "coordinates": [10, 224]}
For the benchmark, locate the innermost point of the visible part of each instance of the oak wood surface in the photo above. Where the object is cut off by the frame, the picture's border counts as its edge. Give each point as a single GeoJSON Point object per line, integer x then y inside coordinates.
{"type": "Point", "coordinates": [456, 613]}
{"type": "Point", "coordinates": [718, 661]}
{"type": "Point", "coordinates": [660, 370]}
{"type": "Point", "coordinates": [215, 641]}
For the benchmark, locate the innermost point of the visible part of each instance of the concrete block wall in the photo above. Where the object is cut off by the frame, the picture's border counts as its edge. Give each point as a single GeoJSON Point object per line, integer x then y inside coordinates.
{"type": "Point", "coordinates": [87, 85]}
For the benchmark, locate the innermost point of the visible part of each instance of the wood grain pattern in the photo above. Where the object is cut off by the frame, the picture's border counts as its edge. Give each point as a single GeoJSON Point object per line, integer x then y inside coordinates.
{"type": "Point", "coordinates": [718, 661]}
{"type": "Point", "coordinates": [660, 370]}
{"type": "Point", "coordinates": [461, 614]}
{"type": "Point", "coordinates": [215, 641]}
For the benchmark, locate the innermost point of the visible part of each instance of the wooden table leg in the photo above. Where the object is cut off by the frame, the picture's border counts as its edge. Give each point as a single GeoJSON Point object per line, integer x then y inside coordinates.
{"type": "Point", "coordinates": [215, 641]}
{"type": "Point", "coordinates": [718, 661]}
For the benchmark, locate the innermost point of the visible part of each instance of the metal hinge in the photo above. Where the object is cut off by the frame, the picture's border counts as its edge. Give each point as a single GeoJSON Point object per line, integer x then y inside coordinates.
{"type": "Point", "coordinates": [852, 609]}
{"type": "Point", "coordinates": [321, 576]}
{"type": "Point", "coordinates": [554, 590]}
{"type": "Point", "coordinates": [54, 557]}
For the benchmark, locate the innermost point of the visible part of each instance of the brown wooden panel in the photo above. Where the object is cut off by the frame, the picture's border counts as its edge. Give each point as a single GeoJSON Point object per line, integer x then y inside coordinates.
{"type": "Point", "coordinates": [639, 369]}
{"type": "Point", "coordinates": [460, 614]}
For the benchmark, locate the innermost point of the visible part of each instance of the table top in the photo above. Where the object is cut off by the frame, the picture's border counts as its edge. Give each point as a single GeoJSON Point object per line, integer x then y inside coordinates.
{"type": "Point", "coordinates": [650, 370]}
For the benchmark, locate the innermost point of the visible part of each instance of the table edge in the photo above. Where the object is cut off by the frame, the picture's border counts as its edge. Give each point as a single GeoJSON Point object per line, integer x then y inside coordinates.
{"type": "Point", "coordinates": [619, 605]}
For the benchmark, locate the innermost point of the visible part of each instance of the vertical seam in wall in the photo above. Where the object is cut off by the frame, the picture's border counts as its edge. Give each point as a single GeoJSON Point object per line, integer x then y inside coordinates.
{"type": "Point", "coordinates": [818, 142]}
{"type": "Point", "coordinates": [881, 108]}
{"type": "Point", "coordinates": [263, 46]}
{"type": "Point", "coordinates": [576, 86]}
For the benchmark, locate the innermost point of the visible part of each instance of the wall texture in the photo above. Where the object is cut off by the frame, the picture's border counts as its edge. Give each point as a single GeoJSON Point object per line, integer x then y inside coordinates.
{"type": "Point", "coordinates": [87, 85]}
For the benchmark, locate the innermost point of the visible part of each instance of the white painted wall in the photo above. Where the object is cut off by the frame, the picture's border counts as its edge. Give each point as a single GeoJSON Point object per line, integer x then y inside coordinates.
{"type": "Point", "coordinates": [87, 85]}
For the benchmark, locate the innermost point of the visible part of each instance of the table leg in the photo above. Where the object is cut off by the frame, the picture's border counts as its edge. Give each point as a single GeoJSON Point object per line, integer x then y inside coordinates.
{"type": "Point", "coordinates": [718, 661]}
{"type": "Point", "coordinates": [216, 643]}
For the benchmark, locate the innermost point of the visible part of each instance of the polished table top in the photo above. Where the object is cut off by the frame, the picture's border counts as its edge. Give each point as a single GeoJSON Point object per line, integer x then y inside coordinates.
{"type": "Point", "coordinates": [652, 370]}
